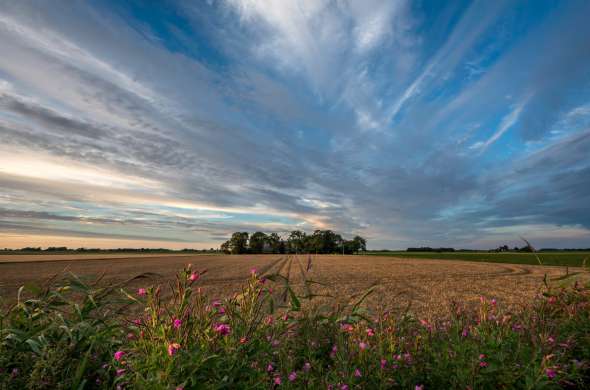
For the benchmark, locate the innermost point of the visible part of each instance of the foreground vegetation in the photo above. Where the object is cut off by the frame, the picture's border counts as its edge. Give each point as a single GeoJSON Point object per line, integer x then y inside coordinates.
{"type": "Point", "coordinates": [81, 336]}
{"type": "Point", "coordinates": [571, 259]}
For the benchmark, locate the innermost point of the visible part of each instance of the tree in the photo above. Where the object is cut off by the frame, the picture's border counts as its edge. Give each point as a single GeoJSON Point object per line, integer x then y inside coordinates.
{"type": "Point", "coordinates": [257, 241]}
{"type": "Point", "coordinates": [275, 243]}
{"type": "Point", "coordinates": [296, 241]}
{"type": "Point", "coordinates": [360, 244]}
{"type": "Point", "coordinates": [238, 243]}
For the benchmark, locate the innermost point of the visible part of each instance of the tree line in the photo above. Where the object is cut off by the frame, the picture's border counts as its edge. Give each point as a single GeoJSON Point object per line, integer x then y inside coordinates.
{"type": "Point", "coordinates": [320, 241]}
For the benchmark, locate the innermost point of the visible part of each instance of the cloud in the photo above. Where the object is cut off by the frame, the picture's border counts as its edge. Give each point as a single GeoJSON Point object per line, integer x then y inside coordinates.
{"type": "Point", "coordinates": [248, 115]}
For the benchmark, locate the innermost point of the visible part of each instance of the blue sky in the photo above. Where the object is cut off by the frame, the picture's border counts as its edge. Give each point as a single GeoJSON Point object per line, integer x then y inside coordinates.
{"type": "Point", "coordinates": [411, 123]}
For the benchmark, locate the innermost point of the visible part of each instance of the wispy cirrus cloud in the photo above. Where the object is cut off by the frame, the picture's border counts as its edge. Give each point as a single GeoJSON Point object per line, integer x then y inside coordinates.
{"type": "Point", "coordinates": [190, 121]}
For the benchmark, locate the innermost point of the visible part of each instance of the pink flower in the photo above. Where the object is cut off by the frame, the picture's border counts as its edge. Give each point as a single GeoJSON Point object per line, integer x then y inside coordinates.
{"type": "Point", "coordinates": [173, 348]}
{"type": "Point", "coordinates": [551, 373]}
{"type": "Point", "coordinates": [253, 271]}
{"type": "Point", "coordinates": [482, 356]}
{"type": "Point", "coordinates": [141, 292]}
{"type": "Point", "coordinates": [363, 346]}
{"type": "Point", "coordinates": [179, 388]}
{"type": "Point", "coordinates": [277, 380]}
{"type": "Point", "coordinates": [269, 368]}
{"type": "Point", "coordinates": [357, 373]}
{"type": "Point", "coordinates": [222, 329]}
{"type": "Point", "coordinates": [137, 321]}
{"type": "Point", "coordinates": [346, 328]}
{"type": "Point", "coordinates": [194, 277]}
{"type": "Point", "coordinates": [292, 376]}
{"type": "Point", "coordinates": [383, 363]}
{"type": "Point", "coordinates": [552, 300]}
{"type": "Point", "coordinates": [216, 303]}
{"type": "Point", "coordinates": [119, 355]}
{"type": "Point", "coordinates": [483, 364]}
{"type": "Point", "coordinates": [465, 332]}
{"type": "Point", "coordinates": [269, 320]}
{"type": "Point", "coordinates": [243, 340]}
{"type": "Point", "coordinates": [344, 387]}
{"type": "Point", "coordinates": [370, 332]}
{"type": "Point", "coordinates": [307, 367]}
{"type": "Point", "coordinates": [494, 302]}
{"type": "Point", "coordinates": [177, 323]}
{"type": "Point", "coordinates": [120, 371]}
{"type": "Point", "coordinates": [551, 340]}
{"type": "Point", "coordinates": [419, 387]}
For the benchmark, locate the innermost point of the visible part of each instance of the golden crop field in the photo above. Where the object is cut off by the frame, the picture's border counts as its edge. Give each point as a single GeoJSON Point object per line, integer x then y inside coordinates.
{"type": "Point", "coordinates": [427, 286]}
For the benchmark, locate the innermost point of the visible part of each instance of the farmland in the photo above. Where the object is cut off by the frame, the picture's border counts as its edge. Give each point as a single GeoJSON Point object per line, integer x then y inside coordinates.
{"type": "Point", "coordinates": [251, 322]}
{"type": "Point", "coordinates": [572, 259]}
{"type": "Point", "coordinates": [425, 285]}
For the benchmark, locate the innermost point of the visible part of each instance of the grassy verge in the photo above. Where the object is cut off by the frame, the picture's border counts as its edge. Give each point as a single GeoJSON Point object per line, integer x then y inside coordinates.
{"type": "Point", "coordinates": [77, 336]}
{"type": "Point", "coordinates": [571, 259]}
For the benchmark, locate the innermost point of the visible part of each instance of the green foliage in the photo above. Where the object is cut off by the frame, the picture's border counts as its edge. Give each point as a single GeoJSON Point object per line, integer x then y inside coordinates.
{"type": "Point", "coordinates": [320, 241]}
{"type": "Point", "coordinates": [75, 337]}
{"type": "Point", "coordinates": [572, 259]}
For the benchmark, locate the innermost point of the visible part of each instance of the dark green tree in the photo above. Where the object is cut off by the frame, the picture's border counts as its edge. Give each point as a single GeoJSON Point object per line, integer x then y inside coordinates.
{"type": "Point", "coordinates": [257, 241]}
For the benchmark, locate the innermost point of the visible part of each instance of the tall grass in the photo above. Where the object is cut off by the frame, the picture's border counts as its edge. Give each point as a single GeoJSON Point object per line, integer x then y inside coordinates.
{"type": "Point", "coordinates": [271, 334]}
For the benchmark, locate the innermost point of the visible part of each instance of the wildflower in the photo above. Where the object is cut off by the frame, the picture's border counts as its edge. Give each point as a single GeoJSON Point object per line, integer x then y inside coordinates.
{"type": "Point", "coordinates": [363, 346]}
{"type": "Point", "coordinates": [141, 292]}
{"type": "Point", "coordinates": [346, 327]}
{"type": "Point", "coordinates": [465, 332]}
{"type": "Point", "coordinates": [179, 388]}
{"type": "Point", "coordinates": [494, 302]}
{"type": "Point", "coordinates": [119, 355]}
{"type": "Point", "coordinates": [269, 320]}
{"type": "Point", "coordinates": [130, 336]}
{"type": "Point", "coordinates": [551, 373]}
{"type": "Point", "coordinates": [137, 321]}
{"type": "Point", "coordinates": [222, 329]}
{"type": "Point", "coordinates": [285, 317]}
{"type": "Point", "coordinates": [333, 352]}
{"type": "Point", "coordinates": [253, 271]}
{"type": "Point", "coordinates": [243, 340]}
{"type": "Point", "coordinates": [357, 373]}
{"type": "Point", "coordinates": [216, 303]}
{"type": "Point", "coordinates": [306, 367]}
{"type": "Point", "coordinates": [292, 376]}
{"type": "Point", "coordinates": [330, 387]}
{"type": "Point", "coordinates": [221, 310]}
{"type": "Point", "coordinates": [275, 343]}
{"type": "Point", "coordinates": [483, 364]}
{"type": "Point", "coordinates": [194, 277]}
{"type": "Point", "coordinates": [177, 323]}
{"type": "Point", "coordinates": [344, 387]}
{"type": "Point", "coordinates": [419, 387]}
{"type": "Point", "coordinates": [552, 300]}
{"type": "Point", "coordinates": [277, 380]}
{"type": "Point", "coordinates": [370, 332]}
{"type": "Point", "coordinates": [120, 371]}
{"type": "Point", "coordinates": [383, 363]}
{"type": "Point", "coordinates": [551, 340]}
{"type": "Point", "coordinates": [173, 348]}
{"type": "Point", "coordinates": [269, 368]}
{"type": "Point", "coordinates": [482, 356]}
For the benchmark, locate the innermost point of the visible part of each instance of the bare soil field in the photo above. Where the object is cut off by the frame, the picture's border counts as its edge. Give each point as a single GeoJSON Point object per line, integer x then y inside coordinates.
{"type": "Point", "coordinates": [426, 285]}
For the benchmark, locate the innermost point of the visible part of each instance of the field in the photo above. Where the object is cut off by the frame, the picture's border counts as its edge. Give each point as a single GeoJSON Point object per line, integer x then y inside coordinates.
{"type": "Point", "coordinates": [262, 321]}
{"type": "Point", "coordinates": [427, 286]}
{"type": "Point", "coordinates": [572, 259]}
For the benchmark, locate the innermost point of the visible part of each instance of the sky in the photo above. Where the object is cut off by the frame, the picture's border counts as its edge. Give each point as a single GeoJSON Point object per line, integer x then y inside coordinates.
{"type": "Point", "coordinates": [411, 123]}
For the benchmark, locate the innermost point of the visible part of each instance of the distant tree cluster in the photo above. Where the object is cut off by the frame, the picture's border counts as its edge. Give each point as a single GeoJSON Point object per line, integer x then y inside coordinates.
{"type": "Point", "coordinates": [506, 248]}
{"type": "Point", "coordinates": [429, 249]}
{"type": "Point", "coordinates": [320, 241]}
{"type": "Point", "coordinates": [53, 249]}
